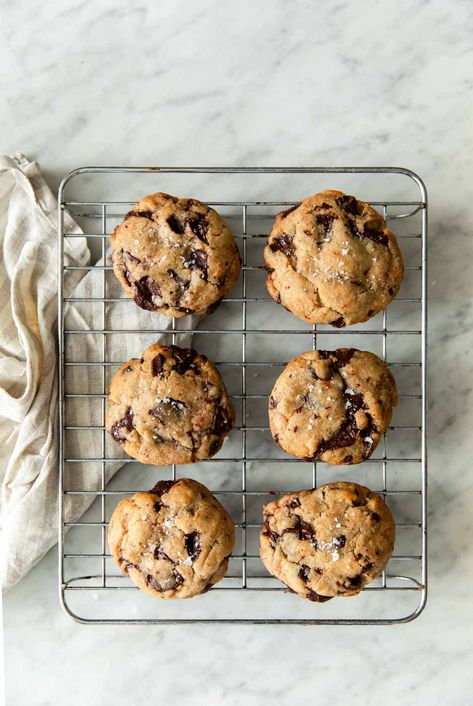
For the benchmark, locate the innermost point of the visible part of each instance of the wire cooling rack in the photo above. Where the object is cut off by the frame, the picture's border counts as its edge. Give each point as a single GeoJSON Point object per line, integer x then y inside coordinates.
{"type": "Point", "coordinates": [251, 339]}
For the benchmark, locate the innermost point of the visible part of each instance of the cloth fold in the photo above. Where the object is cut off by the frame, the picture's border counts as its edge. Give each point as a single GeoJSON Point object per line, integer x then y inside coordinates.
{"type": "Point", "coordinates": [28, 364]}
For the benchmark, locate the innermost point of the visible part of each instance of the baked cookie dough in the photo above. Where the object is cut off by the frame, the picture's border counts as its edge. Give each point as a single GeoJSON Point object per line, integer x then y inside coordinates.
{"type": "Point", "coordinates": [175, 256]}
{"type": "Point", "coordinates": [330, 541]}
{"type": "Point", "coordinates": [332, 406]}
{"type": "Point", "coordinates": [174, 541]}
{"type": "Point", "coordinates": [332, 259]}
{"type": "Point", "coordinates": [170, 406]}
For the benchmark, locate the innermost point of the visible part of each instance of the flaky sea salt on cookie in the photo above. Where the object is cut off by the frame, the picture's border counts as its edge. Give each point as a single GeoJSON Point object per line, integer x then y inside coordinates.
{"type": "Point", "coordinates": [329, 541]}
{"type": "Point", "coordinates": [332, 260]}
{"type": "Point", "coordinates": [332, 406]}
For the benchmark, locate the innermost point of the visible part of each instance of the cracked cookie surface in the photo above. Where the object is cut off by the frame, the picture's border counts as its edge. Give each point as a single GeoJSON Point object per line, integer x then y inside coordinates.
{"type": "Point", "coordinates": [332, 406]}
{"type": "Point", "coordinates": [170, 406]}
{"type": "Point", "coordinates": [175, 256]}
{"type": "Point", "coordinates": [326, 542]}
{"type": "Point", "coordinates": [332, 260]}
{"type": "Point", "coordinates": [173, 541]}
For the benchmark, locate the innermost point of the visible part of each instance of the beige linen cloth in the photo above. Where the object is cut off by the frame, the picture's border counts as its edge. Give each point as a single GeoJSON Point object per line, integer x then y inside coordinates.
{"type": "Point", "coordinates": [28, 366]}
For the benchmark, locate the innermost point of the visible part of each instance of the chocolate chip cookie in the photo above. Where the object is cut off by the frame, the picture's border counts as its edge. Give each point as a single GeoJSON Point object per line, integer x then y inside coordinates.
{"type": "Point", "coordinates": [170, 406]}
{"type": "Point", "coordinates": [175, 256]}
{"type": "Point", "coordinates": [330, 541]}
{"type": "Point", "coordinates": [332, 406]}
{"type": "Point", "coordinates": [174, 541]}
{"type": "Point", "coordinates": [332, 259]}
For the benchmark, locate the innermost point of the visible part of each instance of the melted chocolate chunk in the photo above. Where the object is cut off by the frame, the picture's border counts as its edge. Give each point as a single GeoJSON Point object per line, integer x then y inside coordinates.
{"type": "Point", "coordinates": [157, 506]}
{"type": "Point", "coordinates": [338, 323]}
{"type": "Point", "coordinates": [285, 244]}
{"type": "Point", "coordinates": [348, 203]}
{"type": "Point", "coordinates": [139, 214]}
{"type": "Point", "coordinates": [317, 598]}
{"type": "Point", "coordinates": [213, 307]}
{"type": "Point", "coordinates": [340, 542]}
{"type": "Point", "coordinates": [390, 291]}
{"type": "Point", "coordinates": [185, 309]}
{"type": "Point", "coordinates": [178, 578]}
{"type": "Point", "coordinates": [285, 213]}
{"type": "Point", "coordinates": [272, 402]}
{"type": "Point", "coordinates": [160, 554]}
{"type": "Point", "coordinates": [354, 581]}
{"type": "Point", "coordinates": [295, 502]}
{"type": "Point", "coordinates": [346, 435]}
{"type": "Point", "coordinates": [128, 369]}
{"type": "Point", "coordinates": [146, 289]}
{"type": "Point", "coordinates": [375, 517]}
{"type": "Point", "coordinates": [304, 573]}
{"type": "Point", "coordinates": [319, 571]}
{"type": "Point", "coordinates": [157, 364]}
{"type": "Point", "coordinates": [377, 236]}
{"type": "Point", "coordinates": [125, 423]}
{"type": "Point", "coordinates": [221, 422]}
{"type": "Point", "coordinates": [325, 220]}
{"type": "Point", "coordinates": [215, 445]}
{"type": "Point", "coordinates": [268, 532]}
{"type": "Point", "coordinates": [359, 502]}
{"type": "Point", "coordinates": [367, 567]}
{"type": "Point", "coordinates": [162, 486]}
{"type": "Point", "coordinates": [343, 355]}
{"type": "Point", "coordinates": [193, 546]}
{"type": "Point", "coordinates": [304, 531]}
{"type": "Point", "coordinates": [183, 359]}
{"type": "Point", "coordinates": [176, 225]}
{"type": "Point", "coordinates": [198, 261]}
{"type": "Point", "coordinates": [127, 564]}
{"type": "Point", "coordinates": [348, 459]}
{"type": "Point", "coordinates": [182, 284]}
{"type": "Point", "coordinates": [165, 407]}
{"type": "Point", "coordinates": [199, 225]}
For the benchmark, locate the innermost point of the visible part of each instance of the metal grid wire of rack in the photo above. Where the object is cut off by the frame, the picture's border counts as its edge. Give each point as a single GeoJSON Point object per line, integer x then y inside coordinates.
{"type": "Point", "coordinates": [251, 339]}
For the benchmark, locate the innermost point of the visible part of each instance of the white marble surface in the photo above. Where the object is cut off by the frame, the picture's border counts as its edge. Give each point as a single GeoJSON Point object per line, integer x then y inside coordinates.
{"type": "Point", "coordinates": [265, 83]}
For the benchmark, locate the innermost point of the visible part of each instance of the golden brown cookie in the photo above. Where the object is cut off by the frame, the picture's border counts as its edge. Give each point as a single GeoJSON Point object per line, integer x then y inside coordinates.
{"type": "Point", "coordinates": [174, 541]}
{"type": "Point", "coordinates": [175, 256]}
{"type": "Point", "coordinates": [332, 260]}
{"type": "Point", "coordinates": [170, 406]}
{"type": "Point", "coordinates": [332, 406]}
{"type": "Point", "coordinates": [330, 541]}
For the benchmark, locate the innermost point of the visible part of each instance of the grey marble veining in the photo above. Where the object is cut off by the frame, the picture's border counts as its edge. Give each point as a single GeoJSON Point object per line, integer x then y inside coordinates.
{"type": "Point", "coordinates": [269, 83]}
